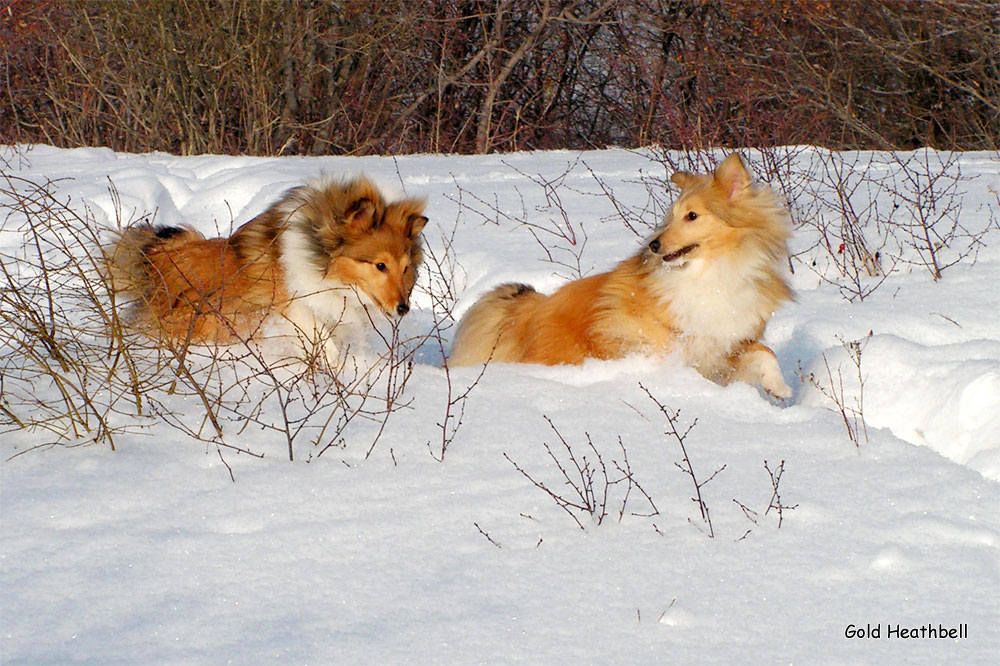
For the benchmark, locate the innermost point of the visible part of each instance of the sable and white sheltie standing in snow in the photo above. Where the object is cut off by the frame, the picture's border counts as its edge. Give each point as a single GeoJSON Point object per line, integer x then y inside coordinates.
{"type": "Point", "coordinates": [316, 265]}
{"type": "Point", "coordinates": [704, 286]}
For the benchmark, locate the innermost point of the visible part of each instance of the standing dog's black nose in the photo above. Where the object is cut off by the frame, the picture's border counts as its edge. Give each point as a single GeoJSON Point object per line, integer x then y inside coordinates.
{"type": "Point", "coordinates": [402, 309]}
{"type": "Point", "coordinates": [655, 246]}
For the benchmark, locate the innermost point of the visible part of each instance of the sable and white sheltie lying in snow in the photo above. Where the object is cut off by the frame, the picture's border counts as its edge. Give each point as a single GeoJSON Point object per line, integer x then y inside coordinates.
{"type": "Point", "coordinates": [705, 286]}
{"type": "Point", "coordinates": [316, 265]}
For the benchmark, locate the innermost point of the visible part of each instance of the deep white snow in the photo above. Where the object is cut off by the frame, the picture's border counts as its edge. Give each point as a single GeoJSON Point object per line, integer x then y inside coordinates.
{"type": "Point", "coordinates": [151, 553]}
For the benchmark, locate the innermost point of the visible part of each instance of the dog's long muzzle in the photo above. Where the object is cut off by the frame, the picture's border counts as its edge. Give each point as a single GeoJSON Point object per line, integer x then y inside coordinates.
{"type": "Point", "coordinates": [677, 254]}
{"type": "Point", "coordinates": [654, 248]}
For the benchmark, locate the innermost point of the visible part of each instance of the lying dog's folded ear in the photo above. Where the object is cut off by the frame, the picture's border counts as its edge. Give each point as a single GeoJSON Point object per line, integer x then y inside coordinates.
{"type": "Point", "coordinates": [683, 179]}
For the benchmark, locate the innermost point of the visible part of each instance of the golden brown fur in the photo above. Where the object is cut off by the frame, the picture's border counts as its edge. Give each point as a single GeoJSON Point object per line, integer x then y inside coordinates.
{"type": "Point", "coordinates": [312, 259]}
{"type": "Point", "coordinates": [705, 286]}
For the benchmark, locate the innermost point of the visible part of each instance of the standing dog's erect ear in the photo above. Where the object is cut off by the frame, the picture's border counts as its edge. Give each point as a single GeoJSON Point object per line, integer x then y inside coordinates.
{"type": "Point", "coordinates": [360, 216]}
{"type": "Point", "coordinates": [415, 224]}
{"type": "Point", "coordinates": [732, 176]}
{"type": "Point", "coordinates": [406, 217]}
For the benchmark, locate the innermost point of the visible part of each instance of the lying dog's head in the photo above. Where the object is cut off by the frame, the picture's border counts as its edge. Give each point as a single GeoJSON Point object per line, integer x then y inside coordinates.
{"type": "Point", "coordinates": [715, 216]}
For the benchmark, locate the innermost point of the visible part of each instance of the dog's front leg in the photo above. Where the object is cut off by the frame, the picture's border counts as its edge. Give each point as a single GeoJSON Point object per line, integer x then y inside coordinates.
{"type": "Point", "coordinates": [757, 365]}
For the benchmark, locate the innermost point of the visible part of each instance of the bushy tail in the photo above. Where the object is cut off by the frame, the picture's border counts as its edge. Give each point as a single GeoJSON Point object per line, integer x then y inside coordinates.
{"type": "Point", "coordinates": [479, 334]}
{"type": "Point", "coordinates": [126, 258]}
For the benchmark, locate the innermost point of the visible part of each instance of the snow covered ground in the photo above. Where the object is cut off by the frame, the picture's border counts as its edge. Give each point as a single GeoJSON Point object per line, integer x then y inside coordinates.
{"type": "Point", "coordinates": [151, 553]}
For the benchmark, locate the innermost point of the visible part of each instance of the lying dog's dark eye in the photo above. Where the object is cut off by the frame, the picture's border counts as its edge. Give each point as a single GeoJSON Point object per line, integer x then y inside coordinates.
{"type": "Point", "coordinates": [380, 266]}
{"type": "Point", "coordinates": [691, 217]}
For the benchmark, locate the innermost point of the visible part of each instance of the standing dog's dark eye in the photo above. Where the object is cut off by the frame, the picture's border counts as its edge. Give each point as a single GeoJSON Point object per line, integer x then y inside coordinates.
{"type": "Point", "coordinates": [380, 266]}
{"type": "Point", "coordinates": [691, 217]}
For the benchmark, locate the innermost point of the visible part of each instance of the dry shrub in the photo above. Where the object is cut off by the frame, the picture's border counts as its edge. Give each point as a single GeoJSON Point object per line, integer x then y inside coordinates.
{"type": "Point", "coordinates": [586, 482]}
{"type": "Point", "coordinates": [845, 400]}
{"type": "Point", "coordinates": [388, 76]}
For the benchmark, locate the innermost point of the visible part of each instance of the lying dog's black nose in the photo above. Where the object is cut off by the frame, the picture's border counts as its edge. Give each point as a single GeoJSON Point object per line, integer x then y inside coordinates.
{"type": "Point", "coordinates": [402, 309]}
{"type": "Point", "coordinates": [655, 246]}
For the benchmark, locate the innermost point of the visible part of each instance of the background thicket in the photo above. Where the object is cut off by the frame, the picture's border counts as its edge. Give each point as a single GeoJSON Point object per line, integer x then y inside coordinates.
{"type": "Point", "coordinates": [393, 76]}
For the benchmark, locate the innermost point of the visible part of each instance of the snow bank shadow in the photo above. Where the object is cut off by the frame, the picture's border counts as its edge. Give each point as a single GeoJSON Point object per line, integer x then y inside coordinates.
{"type": "Point", "coordinates": [945, 397]}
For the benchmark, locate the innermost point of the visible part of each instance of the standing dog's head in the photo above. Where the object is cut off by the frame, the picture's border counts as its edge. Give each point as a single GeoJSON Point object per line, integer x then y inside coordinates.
{"type": "Point", "coordinates": [382, 254]}
{"type": "Point", "coordinates": [346, 234]}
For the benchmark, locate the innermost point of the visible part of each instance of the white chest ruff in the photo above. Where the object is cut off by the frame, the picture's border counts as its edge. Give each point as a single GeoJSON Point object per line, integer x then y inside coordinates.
{"type": "Point", "coordinates": [320, 311]}
{"type": "Point", "coordinates": [715, 306]}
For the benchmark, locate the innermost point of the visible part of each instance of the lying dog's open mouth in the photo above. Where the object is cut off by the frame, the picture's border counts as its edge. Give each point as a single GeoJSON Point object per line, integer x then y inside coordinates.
{"type": "Point", "coordinates": [674, 256]}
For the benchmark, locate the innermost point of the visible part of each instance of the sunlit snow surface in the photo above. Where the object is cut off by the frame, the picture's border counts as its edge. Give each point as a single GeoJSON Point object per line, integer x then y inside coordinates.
{"type": "Point", "coordinates": [152, 554]}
